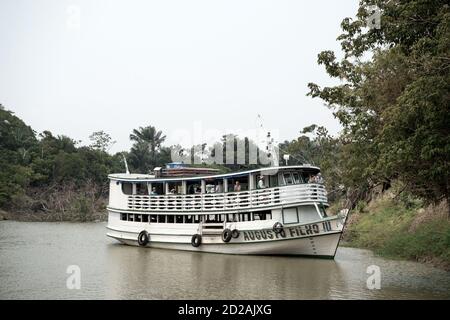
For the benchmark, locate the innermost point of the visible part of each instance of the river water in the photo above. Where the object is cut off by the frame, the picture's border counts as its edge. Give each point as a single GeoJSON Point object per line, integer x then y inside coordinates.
{"type": "Point", "coordinates": [35, 256]}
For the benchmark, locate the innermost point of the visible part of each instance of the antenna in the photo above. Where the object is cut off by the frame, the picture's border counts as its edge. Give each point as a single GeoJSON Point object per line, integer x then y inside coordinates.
{"type": "Point", "coordinates": [126, 164]}
{"type": "Point", "coordinates": [286, 158]}
{"type": "Point", "coordinates": [269, 143]}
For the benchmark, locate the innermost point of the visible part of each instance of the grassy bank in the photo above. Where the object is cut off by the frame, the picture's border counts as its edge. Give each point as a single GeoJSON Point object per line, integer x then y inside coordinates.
{"type": "Point", "coordinates": [396, 228]}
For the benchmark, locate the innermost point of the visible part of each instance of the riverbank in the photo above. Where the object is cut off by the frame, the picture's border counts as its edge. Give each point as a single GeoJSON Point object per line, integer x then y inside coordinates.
{"type": "Point", "coordinates": [30, 216]}
{"type": "Point", "coordinates": [398, 229]}
{"type": "Point", "coordinates": [66, 202]}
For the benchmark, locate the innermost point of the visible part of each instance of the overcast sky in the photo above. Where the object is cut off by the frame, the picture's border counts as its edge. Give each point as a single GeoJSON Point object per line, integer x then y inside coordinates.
{"type": "Point", "coordinates": [75, 67]}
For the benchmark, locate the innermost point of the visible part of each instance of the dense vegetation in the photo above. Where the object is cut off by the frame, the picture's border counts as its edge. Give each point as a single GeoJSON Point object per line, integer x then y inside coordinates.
{"type": "Point", "coordinates": [47, 177]}
{"type": "Point", "coordinates": [393, 97]}
{"type": "Point", "coordinates": [392, 100]}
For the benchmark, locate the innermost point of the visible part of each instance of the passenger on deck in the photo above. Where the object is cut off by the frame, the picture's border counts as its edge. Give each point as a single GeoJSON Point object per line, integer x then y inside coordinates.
{"type": "Point", "coordinates": [237, 187]}
{"type": "Point", "coordinates": [219, 188]}
{"type": "Point", "coordinates": [261, 183]}
{"type": "Point", "coordinates": [312, 179]}
{"type": "Point", "coordinates": [153, 193]}
{"type": "Point", "coordinates": [319, 178]}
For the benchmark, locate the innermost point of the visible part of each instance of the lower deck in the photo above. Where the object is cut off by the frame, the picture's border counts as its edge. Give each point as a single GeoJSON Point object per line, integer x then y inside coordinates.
{"type": "Point", "coordinates": [314, 234]}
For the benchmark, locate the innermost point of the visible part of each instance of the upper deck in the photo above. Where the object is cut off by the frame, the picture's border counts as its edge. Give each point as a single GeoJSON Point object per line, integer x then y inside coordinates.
{"type": "Point", "coordinates": [133, 177]}
{"type": "Point", "coordinates": [231, 192]}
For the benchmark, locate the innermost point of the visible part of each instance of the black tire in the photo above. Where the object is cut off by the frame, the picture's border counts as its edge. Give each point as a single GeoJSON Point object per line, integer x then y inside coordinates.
{"type": "Point", "coordinates": [143, 238]}
{"type": "Point", "coordinates": [278, 228]}
{"type": "Point", "coordinates": [226, 235]}
{"type": "Point", "coordinates": [235, 233]}
{"type": "Point", "coordinates": [196, 240]}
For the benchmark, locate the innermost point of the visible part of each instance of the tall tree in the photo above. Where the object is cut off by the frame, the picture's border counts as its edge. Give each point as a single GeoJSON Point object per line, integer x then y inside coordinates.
{"type": "Point", "coordinates": [147, 147]}
{"type": "Point", "coordinates": [393, 100]}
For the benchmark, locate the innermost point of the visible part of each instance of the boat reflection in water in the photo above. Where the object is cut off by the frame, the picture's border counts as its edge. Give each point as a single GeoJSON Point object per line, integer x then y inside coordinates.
{"type": "Point", "coordinates": [169, 274]}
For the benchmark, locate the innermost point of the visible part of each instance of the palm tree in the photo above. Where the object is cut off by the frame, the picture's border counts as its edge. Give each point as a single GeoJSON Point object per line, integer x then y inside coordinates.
{"type": "Point", "coordinates": [151, 137]}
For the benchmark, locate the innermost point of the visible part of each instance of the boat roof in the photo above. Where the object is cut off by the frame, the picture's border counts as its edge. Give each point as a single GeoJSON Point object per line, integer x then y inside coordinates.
{"type": "Point", "coordinates": [135, 177]}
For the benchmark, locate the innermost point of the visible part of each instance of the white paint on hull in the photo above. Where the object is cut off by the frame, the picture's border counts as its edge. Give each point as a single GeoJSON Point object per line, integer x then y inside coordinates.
{"type": "Point", "coordinates": [324, 245]}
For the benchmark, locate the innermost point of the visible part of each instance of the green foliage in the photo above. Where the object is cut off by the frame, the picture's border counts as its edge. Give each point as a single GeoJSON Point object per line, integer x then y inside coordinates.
{"type": "Point", "coordinates": [147, 152]}
{"type": "Point", "coordinates": [101, 141]}
{"type": "Point", "coordinates": [393, 100]}
{"type": "Point", "coordinates": [315, 146]}
{"type": "Point", "coordinates": [386, 228]}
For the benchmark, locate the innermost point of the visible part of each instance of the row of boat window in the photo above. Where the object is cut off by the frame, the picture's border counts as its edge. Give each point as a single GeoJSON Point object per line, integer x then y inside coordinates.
{"type": "Point", "coordinates": [209, 218]}
{"type": "Point", "coordinates": [193, 187]}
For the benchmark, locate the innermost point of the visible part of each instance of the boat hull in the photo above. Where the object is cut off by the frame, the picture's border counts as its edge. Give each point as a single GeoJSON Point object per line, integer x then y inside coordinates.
{"type": "Point", "coordinates": [323, 246]}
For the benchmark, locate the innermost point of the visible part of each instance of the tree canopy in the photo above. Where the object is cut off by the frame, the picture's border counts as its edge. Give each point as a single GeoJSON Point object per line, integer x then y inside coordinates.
{"type": "Point", "coordinates": [393, 96]}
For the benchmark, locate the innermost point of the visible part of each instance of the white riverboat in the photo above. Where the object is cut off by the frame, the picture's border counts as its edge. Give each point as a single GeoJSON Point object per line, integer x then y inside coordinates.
{"type": "Point", "coordinates": [267, 211]}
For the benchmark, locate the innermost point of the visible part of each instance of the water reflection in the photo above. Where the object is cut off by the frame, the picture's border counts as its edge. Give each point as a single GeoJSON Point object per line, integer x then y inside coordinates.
{"type": "Point", "coordinates": [161, 274]}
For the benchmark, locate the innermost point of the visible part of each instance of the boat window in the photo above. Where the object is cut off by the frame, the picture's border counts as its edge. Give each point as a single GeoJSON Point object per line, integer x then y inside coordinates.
{"type": "Point", "coordinates": [153, 218]}
{"type": "Point", "coordinates": [262, 215]}
{"type": "Point", "coordinates": [137, 217]}
{"type": "Point", "coordinates": [243, 184]}
{"type": "Point", "coordinates": [197, 219]}
{"type": "Point", "coordinates": [273, 181]}
{"type": "Point", "coordinates": [130, 217]}
{"type": "Point", "coordinates": [188, 219]}
{"type": "Point", "coordinates": [157, 188]}
{"type": "Point", "coordinates": [170, 219]}
{"type": "Point", "coordinates": [142, 189]}
{"type": "Point", "coordinates": [179, 219]}
{"type": "Point", "coordinates": [161, 218]}
{"type": "Point", "coordinates": [127, 188]}
{"type": "Point", "coordinates": [296, 178]}
{"type": "Point", "coordinates": [322, 211]}
{"type": "Point", "coordinates": [145, 218]}
{"type": "Point", "coordinates": [175, 188]}
{"type": "Point", "coordinates": [288, 178]}
{"type": "Point", "coordinates": [290, 215]}
{"type": "Point", "coordinates": [123, 216]}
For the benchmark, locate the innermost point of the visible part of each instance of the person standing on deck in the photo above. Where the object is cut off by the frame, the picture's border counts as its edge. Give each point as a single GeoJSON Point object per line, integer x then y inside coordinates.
{"type": "Point", "coordinates": [261, 183]}
{"type": "Point", "coordinates": [237, 187]}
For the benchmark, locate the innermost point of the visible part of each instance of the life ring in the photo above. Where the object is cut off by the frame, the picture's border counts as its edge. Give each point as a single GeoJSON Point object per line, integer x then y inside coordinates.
{"type": "Point", "coordinates": [143, 238]}
{"type": "Point", "coordinates": [226, 235]}
{"type": "Point", "coordinates": [196, 240]}
{"type": "Point", "coordinates": [235, 233]}
{"type": "Point", "coordinates": [278, 228]}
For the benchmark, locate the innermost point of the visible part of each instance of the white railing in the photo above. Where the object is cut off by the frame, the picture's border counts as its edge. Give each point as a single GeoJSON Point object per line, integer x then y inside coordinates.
{"type": "Point", "coordinates": [230, 201]}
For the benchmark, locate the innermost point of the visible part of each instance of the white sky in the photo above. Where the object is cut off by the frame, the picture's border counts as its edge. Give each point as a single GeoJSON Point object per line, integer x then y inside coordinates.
{"type": "Point", "coordinates": [171, 64]}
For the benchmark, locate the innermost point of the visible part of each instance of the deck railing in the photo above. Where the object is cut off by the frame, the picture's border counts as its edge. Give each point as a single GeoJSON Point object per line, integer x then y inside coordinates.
{"type": "Point", "coordinates": [229, 201]}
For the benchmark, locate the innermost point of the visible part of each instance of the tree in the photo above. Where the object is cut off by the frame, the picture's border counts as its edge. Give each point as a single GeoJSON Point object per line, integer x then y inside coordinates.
{"type": "Point", "coordinates": [101, 141]}
{"type": "Point", "coordinates": [150, 138]}
{"type": "Point", "coordinates": [393, 100]}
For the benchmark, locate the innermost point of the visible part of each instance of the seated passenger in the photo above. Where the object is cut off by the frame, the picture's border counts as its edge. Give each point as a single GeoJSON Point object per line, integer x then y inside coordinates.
{"type": "Point", "coordinates": [153, 193]}
{"type": "Point", "coordinates": [219, 188]}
